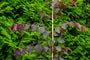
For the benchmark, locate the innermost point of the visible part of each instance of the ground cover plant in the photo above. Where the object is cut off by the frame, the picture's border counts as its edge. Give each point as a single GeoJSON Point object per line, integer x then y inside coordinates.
{"type": "Point", "coordinates": [25, 30]}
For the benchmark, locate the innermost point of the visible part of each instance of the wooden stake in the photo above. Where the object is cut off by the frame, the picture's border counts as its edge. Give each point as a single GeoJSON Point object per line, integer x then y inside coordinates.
{"type": "Point", "coordinates": [52, 32]}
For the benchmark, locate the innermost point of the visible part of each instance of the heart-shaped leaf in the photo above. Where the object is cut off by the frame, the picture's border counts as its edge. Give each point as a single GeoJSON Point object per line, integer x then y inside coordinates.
{"type": "Point", "coordinates": [41, 30]}
{"type": "Point", "coordinates": [51, 42]}
{"type": "Point", "coordinates": [29, 49]}
{"type": "Point", "coordinates": [33, 27]}
{"type": "Point", "coordinates": [71, 23]}
{"type": "Point", "coordinates": [23, 51]}
{"type": "Point", "coordinates": [26, 26]}
{"type": "Point", "coordinates": [39, 48]}
{"type": "Point", "coordinates": [46, 34]}
{"type": "Point", "coordinates": [60, 40]}
{"type": "Point", "coordinates": [64, 25]}
{"type": "Point", "coordinates": [17, 53]}
{"type": "Point", "coordinates": [58, 48]}
{"type": "Point", "coordinates": [57, 29]}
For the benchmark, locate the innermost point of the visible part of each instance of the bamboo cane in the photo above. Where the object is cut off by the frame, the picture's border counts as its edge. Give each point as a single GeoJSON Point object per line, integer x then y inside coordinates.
{"type": "Point", "coordinates": [52, 32]}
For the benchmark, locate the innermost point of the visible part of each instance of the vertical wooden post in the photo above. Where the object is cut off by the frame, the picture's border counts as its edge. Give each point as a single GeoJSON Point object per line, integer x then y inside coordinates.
{"type": "Point", "coordinates": [53, 31]}
{"type": "Point", "coordinates": [52, 34]}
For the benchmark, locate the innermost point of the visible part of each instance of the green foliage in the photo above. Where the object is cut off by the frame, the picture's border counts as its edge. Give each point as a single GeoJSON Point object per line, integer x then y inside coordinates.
{"type": "Point", "coordinates": [26, 11]}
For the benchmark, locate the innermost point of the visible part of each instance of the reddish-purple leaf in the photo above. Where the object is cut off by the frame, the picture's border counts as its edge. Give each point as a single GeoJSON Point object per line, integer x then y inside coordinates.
{"type": "Point", "coordinates": [54, 2]}
{"type": "Point", "coordinates": [47, 4]}
{"type": "Point", "coordinates": [67, 6]}
{"type": "Point", "coordinates": [17, 53]}
{"type": "Point", "coordinates": [41, 30]}
{"type": "Point", "coordinates": [83, 29]}
{"type": "Point", "coordinates": [64, 25]}
{"type": "Point", "coordinates": [45, 49]}
{"type": "Point", "coordinates": [29, 49]}
{"type": "Point", "coordinates": [62, 30]}
{"type": "Point", "coordinates": [39, 48]}
{"type": "Point", "coordinates": [21, 29]}
{"type": "Point", "coordinates": [67, 49]}
{"type": "Point", "coordinates": [58, 48]}
{"type": "Point", "coordinates": [74, 0]}
{"type": "Point", "coordinates": [23, 52]}
{"type": "Point", "coordinates": [12, 27]}
{"type": "Point", "coordinates": [65, 52]}
{"type": "Point", "coordinates": [26, 26]}
{"type": "Point", "coordinates": [41, 15]}
{"type": "Point", "coordinates": [60, 40]}
{"type": "Point", "coordinates": [46, 34]}
{"type": "Point", "coordinates": [59, 13]}
{"type": "Point", "coordinates": [71, 23]}
{"type": "Point", "coordinates": [15, 27]}
{"type": "Point", "coordinates": [73, 3]}
{"type": "Point", "coordinates": [33, 27]}
{"type": "Point", "coordinates": [51, 42]}
{"type": "Point", "coordinates": [57, 29]}
{"type": "Point", "coordinates": [77, 25]}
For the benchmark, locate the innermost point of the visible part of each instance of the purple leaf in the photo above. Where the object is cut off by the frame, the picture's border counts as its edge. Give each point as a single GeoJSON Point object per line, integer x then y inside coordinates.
{"type": "Point", "coordinates": [42, 15]}
{"type": "Point", "coordinates": [57, 29]}
{"type": "Point", "coordinates": [15, 27]}
{"type": "Point", "coordinates": [64, 25]}
{"type": "Point", "coordinates": [60, 40]}
{"type": "Point", "coordinates": [45, 49]}
{"type": "Point", "coordinates": [71, 23]}
{"type": "Point", "coordinates": [21, 29]}
{"type": "Point", "coordinates": [41, 30]}
{"type": "Point", "coordinates": [57, 10]}
{"type": "Point", "coordinates": [67, 6]}
{"type": "Point", "coordinates": [83, 29]}
{"type": "Point", "coordinates": [39, 48]}
{"type": "Point", "coordinates": [77, 25]}
{"type": "Point", "coordinates": [58, 48]}
{"type": "Point", "coordinates": [73, 3]}
{"type": "Point", "coordinates": [17, 53]}
{"type": "Point", "coordinates": [47, 4]}
{"type": "Point", "coordinates": [33, 27]}
{"type": "Point", "coordinates": [26, 26]}
{"type": "Point", "coordinates": [12, 27]}
{"type": "Point", "coordinates": [65, 52]}
{"type": "Point", "coordinates": [62, 30]}
{"type": "Point", "coordinates": [23, 52]}
{"type": "Point", "coordinates": [51, 42]}
{"type": "Point", "coordinates": [53, 4]}
{"type": "Point", "coordinates": [29, 49]}
{"type": "Point", "coordinates": [46, 34]}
